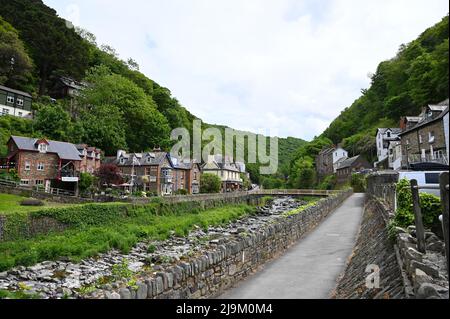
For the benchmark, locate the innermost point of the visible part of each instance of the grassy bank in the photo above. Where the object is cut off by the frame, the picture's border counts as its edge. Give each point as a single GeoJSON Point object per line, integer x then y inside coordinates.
{"type": "Point", "coordinates": [10, 204]}
{"type": "Point", "coordinates": [96, 229]}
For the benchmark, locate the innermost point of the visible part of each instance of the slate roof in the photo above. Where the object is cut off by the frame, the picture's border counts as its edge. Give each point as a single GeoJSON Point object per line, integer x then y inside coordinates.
{"type": "Point", "coordinates": [64, 150]}
{"type": "Point", "coordinates": [348, 162]}
{"type": "Point", "coordinates": [442, 106]}
{"type": "Point", "coordinates": [143, 159]}
{"type": "Point", "coordinates": [15, 91]}
{"type": "Point", "coordinates": [393, 130]}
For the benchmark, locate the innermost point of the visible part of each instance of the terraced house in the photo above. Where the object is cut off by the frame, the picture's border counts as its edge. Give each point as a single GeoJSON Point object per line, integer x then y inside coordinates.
{"type": "Point", "coordinates": [44, 163]}
{"type": "Point", "coordinates": [424, 140]}
{"type": "Point", "coordinates": [15, 103]}
{"type": "Point", "coordinates": [228, 171]}
{"type": "Point", "coordinates": [158, 172]}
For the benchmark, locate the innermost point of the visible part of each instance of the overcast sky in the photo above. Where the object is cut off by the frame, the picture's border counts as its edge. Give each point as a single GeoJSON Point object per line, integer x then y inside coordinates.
{"type": "Point", "coordinates": [290, 66]}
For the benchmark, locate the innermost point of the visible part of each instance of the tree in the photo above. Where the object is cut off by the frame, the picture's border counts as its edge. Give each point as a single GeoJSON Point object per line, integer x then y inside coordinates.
{"type": "Point", "coordinates": [52, 121]}
{"type": "Point", "coordinates": [55, 48]}
{"type": "Point", "coordinates": [303, 173]}
{"type": "Point", "coordinates": [86, 181]}
{"type": "Point", "coordinates": [15, 64]}
{"type": "Point", "coordinates": [145, 127]}
{"type": "Point", "coordinates": [109, 174]}
{"type": "Point", "coordinates": [103, 127]}
{"type": "Point", "coordinates": [210, 183]}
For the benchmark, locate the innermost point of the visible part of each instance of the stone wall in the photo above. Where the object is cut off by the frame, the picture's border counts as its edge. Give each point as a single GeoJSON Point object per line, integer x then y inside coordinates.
{"type": "Point", "coordinates": [373, 247]}
{"type": "Point", "coordinates": [404, 272]}
{"type": "Point", "coordinates": [210, 274]}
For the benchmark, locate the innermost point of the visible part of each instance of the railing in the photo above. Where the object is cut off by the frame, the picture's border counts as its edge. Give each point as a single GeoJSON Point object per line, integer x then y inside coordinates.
{"type": "Point", "coordinates": [428, 158]}
{"type": "Point", "coordinates": [420, 229]}
{"type": "Point", "coordinates": [37, 189]}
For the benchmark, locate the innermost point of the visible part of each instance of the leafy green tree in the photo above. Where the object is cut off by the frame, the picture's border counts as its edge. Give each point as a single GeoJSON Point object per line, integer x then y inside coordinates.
{"type": "Point", "coordinates": [210, 183]}
{"type": "Point", "coordinates": [86, 181]}
{"type": "Point", "coordinates": [15, 64]}
{"type": "Point", "coordinates": [103, 127]}
{"type": "Point", "coordinates": [145, 127]}
{"type": "Point", "coordinates": [303, 173]}
{"type": "Point", "coordinates": [54, 46]}
{"type": "Point", "coordinates": [53, 122]}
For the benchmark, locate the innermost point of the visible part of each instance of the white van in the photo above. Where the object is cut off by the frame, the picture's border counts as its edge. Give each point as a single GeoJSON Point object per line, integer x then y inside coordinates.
{"type": "Point", "coordinates": [424, 178]}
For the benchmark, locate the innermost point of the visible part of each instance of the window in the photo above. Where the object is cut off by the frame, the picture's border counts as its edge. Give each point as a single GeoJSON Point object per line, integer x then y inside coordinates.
{"type": "Point", "coordinates": [27, 166]}
{"type": "Point", "coordinates": [195, 176]}
{"type": "Point", "coordinates": [5, 112]}
{"type": "Point", "coordinates": [24, 182]}
{"type": "Point", "coordinates": [431, 137]}
{"type": "Point", "coordinates": [122, 160]}
{"type": "Point", "coordinates": [10, 99]}
{"type": "Point", "coordinates": [19, 102]}
{"type": "Point", "coordinates": [420, 138]}
{"type": "Point", "coordinates": [40, 167]}
{"type": "Point", "coordinates": [42, 148]}
{"type": "Point", "coordinates": [431, 178]}
{"type": "Point", "coordinates": [39, 182]}
{"type": "Point", "coordinates": [20, 114]}
{"type": "Point", "coordinates": [407, 141]}
{"type": "Point", "coordinates": [388, 134]}
{"type": "Point", "coordinates": [438, 155]}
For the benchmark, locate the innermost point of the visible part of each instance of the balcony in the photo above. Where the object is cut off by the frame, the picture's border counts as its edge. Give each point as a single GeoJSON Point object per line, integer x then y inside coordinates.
{"type": "Point", "coordinates": [428, 158]}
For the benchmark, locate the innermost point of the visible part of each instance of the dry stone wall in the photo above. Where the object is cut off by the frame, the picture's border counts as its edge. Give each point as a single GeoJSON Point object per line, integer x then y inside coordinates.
{"type": "Point", "coordinates": [216, 270]}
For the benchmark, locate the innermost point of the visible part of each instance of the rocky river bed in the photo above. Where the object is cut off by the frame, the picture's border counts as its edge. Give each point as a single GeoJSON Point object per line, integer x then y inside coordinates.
{"type": "Point", "coordinates": [64, 279]}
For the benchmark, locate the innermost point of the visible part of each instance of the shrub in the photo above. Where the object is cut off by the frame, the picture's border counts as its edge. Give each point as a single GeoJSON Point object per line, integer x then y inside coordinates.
{"type": "Point", "coordinates": [358, 183]}
{"type": "Point", "coordinates": [210, 184]}
{"type": "Point", "coordinates": [429, 204]}
{"type": "Point", "coordinates": [181, 192]}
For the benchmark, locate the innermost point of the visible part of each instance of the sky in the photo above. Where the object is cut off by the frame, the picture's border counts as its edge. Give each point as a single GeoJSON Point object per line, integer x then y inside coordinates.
{"type": "Point", "coordinates": [278, 67]}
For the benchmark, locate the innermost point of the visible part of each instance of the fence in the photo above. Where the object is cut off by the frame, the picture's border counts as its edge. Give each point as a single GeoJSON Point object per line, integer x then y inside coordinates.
{"type": "Point", "coordinates": [38, 189]}
{"type": "Point", "coordinates": [420, 229]}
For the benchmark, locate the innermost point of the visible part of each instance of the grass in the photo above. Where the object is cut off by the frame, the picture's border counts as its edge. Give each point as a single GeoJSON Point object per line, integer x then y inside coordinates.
{"type": "Point", "coordinates": [312, 202]}
{"type": "Point", "coordinates": [10, 204]}
{"type": "Point", "coordinates": [123, 233]}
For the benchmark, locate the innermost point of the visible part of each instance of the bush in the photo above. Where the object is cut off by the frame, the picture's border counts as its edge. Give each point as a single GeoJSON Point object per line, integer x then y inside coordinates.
{"type": "Point", "coordinates": [31, 202]}
{"type": "Point", "coordinates": [430, 205]}
{"type": "Point", "coordinates": [358, 183]}
{"type": "Point", "coordinates": [210, 184]}
{"type": "Point", "coordinates": [181, 192]}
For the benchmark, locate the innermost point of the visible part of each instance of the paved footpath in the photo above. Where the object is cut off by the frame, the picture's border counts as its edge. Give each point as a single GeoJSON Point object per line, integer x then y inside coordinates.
{"type": "Point", "coordinates": [309, 269]}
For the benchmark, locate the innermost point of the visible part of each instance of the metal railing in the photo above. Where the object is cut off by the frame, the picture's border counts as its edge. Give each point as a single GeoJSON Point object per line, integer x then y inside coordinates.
{"type": "Point", "coordinates": [418, 218]}
{"type": "Point", "coordinates": [428, 158]}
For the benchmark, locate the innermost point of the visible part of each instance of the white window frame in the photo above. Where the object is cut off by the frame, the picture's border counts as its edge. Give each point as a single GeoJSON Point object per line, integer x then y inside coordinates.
{"type": "Point", "coordinates": [10, 99]}
{"type": "Point", "coordinates": [27, 166]}
{"type": "Point", "coordinates": [24, 182]}
{"type": "Point", "coordinates": [40, 167]}
{"type": "Point", "coordinates": [431, 137]}
{"type": "Point", "coordinates": [39, 182]}
{"type": "Point", "coordinates": [19, 102]}
{"type": "Point", "coordinates": [43, 148]}
{"type": "Point", "coordinates": [5, 111]}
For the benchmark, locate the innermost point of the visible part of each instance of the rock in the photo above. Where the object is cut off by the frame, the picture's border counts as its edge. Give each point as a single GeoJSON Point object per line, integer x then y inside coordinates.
{"type": "Point", "coordinates": [159, 285]}
{"type": "Point", "coordinates": [142, 291]}
{"type": "Point", "coordinates": [437, 247]}
{"type": "Point", "coordinates": [420, 278]}
{"type": "Point", "coordinates": [427, 291]}
{"type": "Point", "coordinates": [412, 254]}
{"type": "Point", "coordinates": [111, 295]}
{"type": "Point", "coordinates": [3, 275]}
{"type": "Point", "coordinates": [124, 293]}
{"type": "Point", "coordinates": [430, 271]}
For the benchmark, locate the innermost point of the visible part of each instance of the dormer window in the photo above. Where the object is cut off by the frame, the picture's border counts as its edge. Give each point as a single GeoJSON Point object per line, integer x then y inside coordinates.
{"type": "Point", "coordinates": [19, 102]}
{"type": "Point", "coordinates": [10, 99]}
{"type": "Point", "coordinates": [123, 160]}
{"type": "Point", "coordinates": [42, 147]}
{"type": "Point", "coordinates": [388, 134]}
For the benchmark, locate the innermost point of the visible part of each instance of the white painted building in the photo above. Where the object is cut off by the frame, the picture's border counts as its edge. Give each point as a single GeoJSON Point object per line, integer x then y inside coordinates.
{"type": "Point", "coordinates": [384, 138]}
{"type": "Point", "coordinates": [338, 154]}
{"type": "Point", "coordinates": [15, 103]}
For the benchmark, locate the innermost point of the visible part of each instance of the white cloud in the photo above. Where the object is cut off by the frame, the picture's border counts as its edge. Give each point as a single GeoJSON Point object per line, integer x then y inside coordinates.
{"type": "Point", "coordinates": [292, 65]}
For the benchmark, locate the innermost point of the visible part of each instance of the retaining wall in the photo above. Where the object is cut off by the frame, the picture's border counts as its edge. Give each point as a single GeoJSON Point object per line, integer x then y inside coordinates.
{"type": "Point", "coordinates": [217, 270]}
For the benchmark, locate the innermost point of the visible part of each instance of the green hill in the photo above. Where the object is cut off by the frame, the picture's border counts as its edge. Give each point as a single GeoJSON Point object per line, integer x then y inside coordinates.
{"type": "Point", "coordinates": [121, 108]}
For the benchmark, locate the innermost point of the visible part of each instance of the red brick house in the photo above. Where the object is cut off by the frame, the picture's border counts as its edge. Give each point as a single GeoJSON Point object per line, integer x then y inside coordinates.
{"type": "Point", "coordinates": [90, 158]}
{"type": "Point", "coordinates": [41, 162]}
{"type": "Point", "coordinates": [187, 176]}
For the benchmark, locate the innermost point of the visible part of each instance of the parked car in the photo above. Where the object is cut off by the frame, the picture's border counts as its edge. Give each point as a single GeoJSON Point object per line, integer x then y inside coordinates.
{"type": "Point", "coordinates": [424, 178]}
